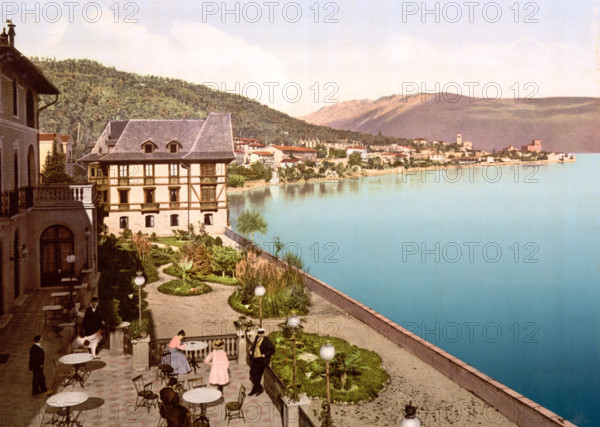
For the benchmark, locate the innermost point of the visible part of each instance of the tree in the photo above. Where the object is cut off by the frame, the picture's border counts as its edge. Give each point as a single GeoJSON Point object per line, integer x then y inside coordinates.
{"type": "Point", "coordinates": [354, 159]}
{"type": "Point", "coordinates": [53, 171]}
{"type": "Point", "coordinates": [250, 222]}
{"type": "Point", "coordinates": [223, 258]}
{"type": "Point", "coordinates": [321, 151]}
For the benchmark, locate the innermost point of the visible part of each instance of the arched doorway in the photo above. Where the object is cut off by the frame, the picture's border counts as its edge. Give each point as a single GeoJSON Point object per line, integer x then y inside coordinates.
{"type": "Point", "coordinates": [16, 265]}
{"type": "Point", "coordinates": [56, 243]}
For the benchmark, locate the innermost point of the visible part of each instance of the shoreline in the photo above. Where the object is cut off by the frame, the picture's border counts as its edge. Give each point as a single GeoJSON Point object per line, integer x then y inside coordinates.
{"type": "Point", "coordinates": [251, 185]}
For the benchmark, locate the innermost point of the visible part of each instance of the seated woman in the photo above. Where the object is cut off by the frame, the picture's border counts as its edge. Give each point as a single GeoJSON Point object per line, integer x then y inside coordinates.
{"type": "Point", "coordinates": [178, 360]}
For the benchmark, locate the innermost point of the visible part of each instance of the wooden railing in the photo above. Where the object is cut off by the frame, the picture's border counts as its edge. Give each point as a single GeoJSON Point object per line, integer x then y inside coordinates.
{"type": "Point", "coordinates": [209, 205]}
{"type": "Point", "coordinates": [150, 207]}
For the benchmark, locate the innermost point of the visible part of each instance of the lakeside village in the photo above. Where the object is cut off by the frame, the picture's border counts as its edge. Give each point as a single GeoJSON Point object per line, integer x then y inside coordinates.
{"type": "Point", "coordinates": [315, 159]}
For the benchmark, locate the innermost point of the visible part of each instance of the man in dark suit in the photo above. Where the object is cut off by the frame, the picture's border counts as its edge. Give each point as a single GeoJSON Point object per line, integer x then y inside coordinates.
{"type": "Point", "coordinates": [92, 319]}
{"type": "Point", "coordinates": [36, 364]}
{"type": "Point", "coordinates": [261, 352]}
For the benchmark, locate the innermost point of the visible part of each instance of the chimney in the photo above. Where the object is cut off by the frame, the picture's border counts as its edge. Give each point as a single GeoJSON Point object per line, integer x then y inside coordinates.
{"type": "Point", "coordinates": [11, 33]}
{"type": "Point", "coordinates": [4, 37]}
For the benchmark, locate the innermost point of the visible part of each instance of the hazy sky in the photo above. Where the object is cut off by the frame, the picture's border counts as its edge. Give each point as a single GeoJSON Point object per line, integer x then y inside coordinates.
{"type": "Point", "coordinates": [301, 56]}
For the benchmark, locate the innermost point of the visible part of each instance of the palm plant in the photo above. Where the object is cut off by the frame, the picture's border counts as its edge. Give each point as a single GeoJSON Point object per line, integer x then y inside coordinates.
{"type": "Point", "coordinates": [250, 222]}
{"type": "Point", "coordinates": [186, 265]}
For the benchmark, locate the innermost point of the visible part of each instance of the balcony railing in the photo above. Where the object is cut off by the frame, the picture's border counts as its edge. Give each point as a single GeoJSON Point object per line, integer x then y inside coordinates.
{"type": "Point", "coordinates": [14, 201]}
{"type": "Point", "coordinates": [148, 180]}
{"type": "Point", "coordinates": [9, 203]}
{"type": "Point", "coordinates": [174, 205]}
{"type": "Point", "coordinates": [208, 179]}
{"type": "Point", "coordinates": [64, 195]}
{"type": "Point", "coordinates": [123, 181]}
{"type": "Point", "coordinates": [209, 205]}
{"type": "Point", "coordinates": [150, 207]}
{"type": "Point", "coordinates": [101, 181]}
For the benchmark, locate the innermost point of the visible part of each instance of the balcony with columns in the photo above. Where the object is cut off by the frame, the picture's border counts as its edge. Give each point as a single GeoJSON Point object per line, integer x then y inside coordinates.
{"type": "Point", "coordinates": [13, 202]}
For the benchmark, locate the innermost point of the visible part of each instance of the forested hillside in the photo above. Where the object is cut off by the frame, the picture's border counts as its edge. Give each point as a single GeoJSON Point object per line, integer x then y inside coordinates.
{"type": "Point", "coordinates": [93, 94]}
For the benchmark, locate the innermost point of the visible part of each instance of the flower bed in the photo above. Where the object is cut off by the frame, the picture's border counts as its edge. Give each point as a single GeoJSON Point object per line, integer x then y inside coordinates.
{"type": "Point", "coordinates": [355, 374]}
{"type": "Point", "coordinates": [178, 288]}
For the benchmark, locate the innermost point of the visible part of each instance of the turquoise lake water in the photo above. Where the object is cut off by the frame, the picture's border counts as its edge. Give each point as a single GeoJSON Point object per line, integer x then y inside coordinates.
{"type": "Point", "coordinates": [498, 266]}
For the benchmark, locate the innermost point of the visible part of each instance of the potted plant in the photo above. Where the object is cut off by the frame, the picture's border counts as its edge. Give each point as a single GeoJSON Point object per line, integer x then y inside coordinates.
{"type": "Point", "coordinates": [140, 342]}
{"type": "Point", "coordinates": [243, 325]}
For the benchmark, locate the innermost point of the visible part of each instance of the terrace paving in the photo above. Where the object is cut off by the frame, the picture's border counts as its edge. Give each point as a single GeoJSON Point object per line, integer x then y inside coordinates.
{"type": "Point", "coordinates": [440, 401]}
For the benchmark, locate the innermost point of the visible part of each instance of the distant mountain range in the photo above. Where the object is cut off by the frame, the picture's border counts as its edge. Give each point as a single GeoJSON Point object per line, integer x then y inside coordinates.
{"type": "Point", "coordinates": [562, 123]}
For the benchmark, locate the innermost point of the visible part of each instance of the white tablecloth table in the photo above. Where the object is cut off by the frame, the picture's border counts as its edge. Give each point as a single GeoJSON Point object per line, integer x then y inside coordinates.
{"type": "Point", "coordinates": [76, 359]}
{"type": "Point", "coordinates": [202, 396]}
{"type": "Point", "coordinates": [194, 346]}
{"type": "Point", "coordinates": [66, 400]}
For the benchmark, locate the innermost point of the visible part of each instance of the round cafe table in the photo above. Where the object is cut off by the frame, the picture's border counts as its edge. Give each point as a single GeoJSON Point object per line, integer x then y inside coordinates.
{"type": "Point", "coordinates": [78, 360]}
{"type": "Point", "coordinates": [66, 400]}
{"type": "Point", "coordinates": [202, 396]}
{"type": "Point", "coordinates": [194, 346]}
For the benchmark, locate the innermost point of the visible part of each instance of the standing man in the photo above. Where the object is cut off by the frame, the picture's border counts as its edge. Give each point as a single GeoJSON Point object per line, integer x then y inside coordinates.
{"type": "Point", "coordinates": [92, 324]}
{"type": "Point", "coordinates": [36, 364]}
{"type": "Point", "coordinates": [92, 319]}
{"type": "Point", "coordinates": [261, 353]}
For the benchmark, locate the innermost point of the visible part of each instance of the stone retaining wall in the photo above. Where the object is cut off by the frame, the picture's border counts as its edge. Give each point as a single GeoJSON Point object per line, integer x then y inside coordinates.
{"type": "Point", "coordinates": [514, 406]}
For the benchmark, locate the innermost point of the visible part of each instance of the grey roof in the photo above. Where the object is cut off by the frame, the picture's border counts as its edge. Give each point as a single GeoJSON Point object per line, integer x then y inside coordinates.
{"type": "Point", "coordinates": [90, 158]}
{"type": "Point", "coordinates": [115, 128]}
{"type": "Point", "coordinates": [215, 140]}
{"type": "Point", "coordinates": [210, 139]}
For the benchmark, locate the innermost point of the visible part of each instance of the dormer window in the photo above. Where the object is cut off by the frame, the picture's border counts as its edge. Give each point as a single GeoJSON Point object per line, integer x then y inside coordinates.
{"type": "Point", "coordinates": [148, 147]}
{"type": "Point", "coordinates": [173, 147]}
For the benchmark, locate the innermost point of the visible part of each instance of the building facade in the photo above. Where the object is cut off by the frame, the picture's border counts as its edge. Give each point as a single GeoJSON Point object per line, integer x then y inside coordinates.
{"type": "Point", "coordinates": [39, 225]}
{"type": "Point", "coordinates": [156, 176]}
{"type": "Point", "coordinates": [535, 146]}
{"type": "Point", "coordinates": [281, 152]}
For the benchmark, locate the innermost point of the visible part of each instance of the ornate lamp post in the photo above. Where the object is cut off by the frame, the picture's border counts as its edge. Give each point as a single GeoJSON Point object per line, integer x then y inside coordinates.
{"type": "Point", "coordinates": [410, 417]}
{"type": "Point", "coordinates": [139, 281]}
{"type": "Point", "coordinates": [87, 234]}
{"type": "Point", "coordinates": [259, 291]}
{"type": "Point", "coordinates": [293, 322]}
{"type": "Point", "coordinates": [327, 352]}
{"type": "Point", "coordinates": [71, 260]}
